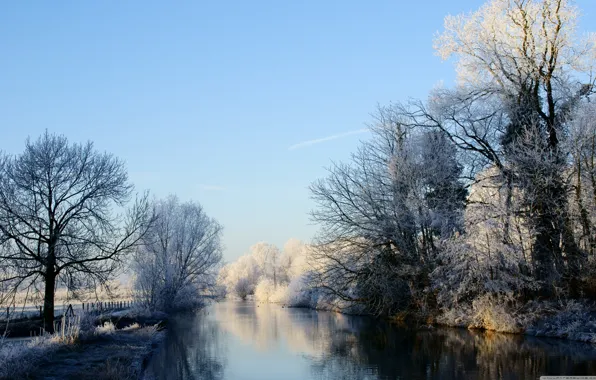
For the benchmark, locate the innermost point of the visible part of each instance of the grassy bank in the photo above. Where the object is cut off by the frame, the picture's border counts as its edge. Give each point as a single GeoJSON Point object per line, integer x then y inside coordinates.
{"type": "Point", "coordinates": [110, 346]}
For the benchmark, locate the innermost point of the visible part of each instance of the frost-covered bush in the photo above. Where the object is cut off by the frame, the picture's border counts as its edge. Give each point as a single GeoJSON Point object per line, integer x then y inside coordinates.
{"type": "Point", "coordinates": [573, 320]}
{"type": "Point", "coordinates": [457, 316]}
{"type": "Point", "coordinates": [495, 313]}
{"type": "Point", "coordinates": [489, 311]}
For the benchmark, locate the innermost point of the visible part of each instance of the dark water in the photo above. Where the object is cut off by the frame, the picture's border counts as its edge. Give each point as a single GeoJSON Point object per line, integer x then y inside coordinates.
{"type": "Point", "coordinates": [243, 340]}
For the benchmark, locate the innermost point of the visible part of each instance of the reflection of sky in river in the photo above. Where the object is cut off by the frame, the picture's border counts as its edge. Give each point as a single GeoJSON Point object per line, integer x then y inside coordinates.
{"type": "Point", "coordinates": [243, 340]}
{"type": "Point", "coordinates": [258, 345]}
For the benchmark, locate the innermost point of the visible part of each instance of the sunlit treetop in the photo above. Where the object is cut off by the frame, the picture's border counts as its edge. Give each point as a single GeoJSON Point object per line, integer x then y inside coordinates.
{"type": "Point", "coordinates": [511, 42]}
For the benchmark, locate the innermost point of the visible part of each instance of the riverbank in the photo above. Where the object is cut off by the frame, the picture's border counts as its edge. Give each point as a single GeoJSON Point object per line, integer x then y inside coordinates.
{"type": "Point", "coordinates": [120, 355]}
{"type": "Point", "coordinates": [108, 346]}
{"type": "Point", "coordinates": [573, 320]}
{"type": "Point", "coordinates": [570, 319]}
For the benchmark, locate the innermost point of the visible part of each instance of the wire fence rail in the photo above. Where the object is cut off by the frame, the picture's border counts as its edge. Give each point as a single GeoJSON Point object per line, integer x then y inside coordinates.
{"type": "Point", "coordinates": [32, 311]}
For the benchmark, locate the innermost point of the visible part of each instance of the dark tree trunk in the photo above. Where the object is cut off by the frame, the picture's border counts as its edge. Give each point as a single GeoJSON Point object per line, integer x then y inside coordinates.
{"type": "Point", "coordinates": [556, 254]}
{"type": "Point", "coordinates": [583, 212]}
{"type": "Point", "coordinates": [545, 249]}
{"type": "Point", "coordinates": [48, 301]}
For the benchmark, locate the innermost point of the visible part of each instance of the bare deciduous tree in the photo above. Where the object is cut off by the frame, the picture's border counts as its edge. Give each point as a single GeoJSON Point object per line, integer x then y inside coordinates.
{"type": "Point", "coordinates": [57, 220]}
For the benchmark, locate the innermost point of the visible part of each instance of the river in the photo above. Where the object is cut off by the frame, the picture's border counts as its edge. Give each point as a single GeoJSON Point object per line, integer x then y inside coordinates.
{"type": "Point", "coordinates": [244, 340]}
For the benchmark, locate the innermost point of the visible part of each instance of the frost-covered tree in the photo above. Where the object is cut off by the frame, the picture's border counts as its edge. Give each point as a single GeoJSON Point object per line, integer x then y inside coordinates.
{"type": "Point", "coordinates": [582, 148]}
{"type": "Point", "coordinates": [293, 260]}
{"type": "Point", "coordinates": [481, 261]}
{"type": "Point", "coordinates": [522, 74]}
{"type": "Point", "coordinates": [240, 277]}
{"type": "Point", "coordinates": [179, 255]}
{"type": "Point", "coordinates": [267, 258]}
{"type": "Point", "coordinates": [382, 215]}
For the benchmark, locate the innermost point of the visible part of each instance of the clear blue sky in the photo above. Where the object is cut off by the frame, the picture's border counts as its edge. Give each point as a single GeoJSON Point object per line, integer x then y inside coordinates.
{"type": "Point", "coordinates": [205, 99]}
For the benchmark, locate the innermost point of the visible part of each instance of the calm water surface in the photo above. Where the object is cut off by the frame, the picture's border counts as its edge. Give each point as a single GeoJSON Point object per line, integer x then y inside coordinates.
{"type": "Point", "coordinates": [244, 340]}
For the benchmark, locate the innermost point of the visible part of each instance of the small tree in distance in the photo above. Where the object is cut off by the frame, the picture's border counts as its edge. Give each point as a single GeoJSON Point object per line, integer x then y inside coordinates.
{"type": "Point", "coordinates": [57, 220]}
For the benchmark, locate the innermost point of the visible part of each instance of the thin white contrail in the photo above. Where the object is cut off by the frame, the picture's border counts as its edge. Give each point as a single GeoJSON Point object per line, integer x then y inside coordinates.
{"type": "Point", "coordinates": [212, 187]}
{"type": "Point", "coordinates": [304, 144]}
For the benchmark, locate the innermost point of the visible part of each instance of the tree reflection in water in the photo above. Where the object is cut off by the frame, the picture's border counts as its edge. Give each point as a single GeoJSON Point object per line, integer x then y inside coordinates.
{"type": "Point", "coordinates": [393, 353]}
{"type": "Point", "coordinates": [192, 349]}
{"type": "Point", "coordinates": [303, 343]}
